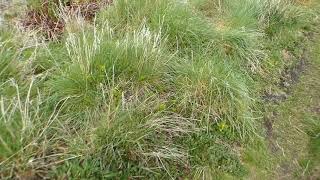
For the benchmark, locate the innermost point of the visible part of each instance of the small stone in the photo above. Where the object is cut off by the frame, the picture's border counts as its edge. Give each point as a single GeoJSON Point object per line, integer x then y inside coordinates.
{"type": "Point", "coordinates": [286, 55]}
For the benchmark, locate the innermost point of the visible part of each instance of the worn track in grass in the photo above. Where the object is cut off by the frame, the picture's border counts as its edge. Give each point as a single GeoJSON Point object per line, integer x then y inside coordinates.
{"type": "Point", "coordinates": [293, 130]}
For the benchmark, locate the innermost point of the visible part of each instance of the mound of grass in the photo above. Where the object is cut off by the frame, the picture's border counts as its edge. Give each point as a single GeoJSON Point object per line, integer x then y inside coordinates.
{"type": "Point", "coordinates": [208, 89]}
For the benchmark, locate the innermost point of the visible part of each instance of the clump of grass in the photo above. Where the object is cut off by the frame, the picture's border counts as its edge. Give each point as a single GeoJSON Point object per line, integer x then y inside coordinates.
{"type": "Point", "coordinates": [239, 46]}
{"type": "Point", "coordinates": [184, 29]}
{"type": "Point", "coordinates": [144, 145]}
{"type": "Point", "coordinates": [137, 57]}
{"type": "Point", "coordinates": [20, 117]}
{"type": "Point", "coordinates": [209, 90]}
{"type": "Point", "coordinates": [139, 139]}
{"type": "Point", "coordinates": [211, 156]}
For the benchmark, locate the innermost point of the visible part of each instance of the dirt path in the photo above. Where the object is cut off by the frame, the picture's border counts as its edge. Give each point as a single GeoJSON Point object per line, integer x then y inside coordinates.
{"type": "Point", "coordinates": [295, 128]}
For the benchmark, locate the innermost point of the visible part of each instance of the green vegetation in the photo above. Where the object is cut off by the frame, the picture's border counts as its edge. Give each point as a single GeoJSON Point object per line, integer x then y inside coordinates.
{"type": "Point", "coordinates": [160, 89]}
{"type": "Point", "coordinates": [298, 151]}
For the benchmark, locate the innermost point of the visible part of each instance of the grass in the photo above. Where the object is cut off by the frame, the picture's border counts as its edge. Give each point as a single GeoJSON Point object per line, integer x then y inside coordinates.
{"type": "Point", "coordinates": [300, 113]}
{"type": "Point", "coordinates": [149, 90]}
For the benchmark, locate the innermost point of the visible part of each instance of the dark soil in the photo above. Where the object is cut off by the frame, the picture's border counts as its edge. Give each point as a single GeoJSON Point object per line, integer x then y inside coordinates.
{"type": "Point", "coordinates": [291, 76]}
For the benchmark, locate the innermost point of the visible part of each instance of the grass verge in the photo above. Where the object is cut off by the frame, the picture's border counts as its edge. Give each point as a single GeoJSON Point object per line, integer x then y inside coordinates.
{"type": "Point", "coordinates": [151, 90]}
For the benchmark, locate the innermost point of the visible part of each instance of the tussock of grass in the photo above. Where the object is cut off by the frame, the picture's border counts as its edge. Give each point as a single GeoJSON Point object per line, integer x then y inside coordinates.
{"type": "Point", "coordinates": [183, 28]}
{"type": "Point", "coordinates": [210, 90]}
{"type": "Point", "coordinates": [150, 89]}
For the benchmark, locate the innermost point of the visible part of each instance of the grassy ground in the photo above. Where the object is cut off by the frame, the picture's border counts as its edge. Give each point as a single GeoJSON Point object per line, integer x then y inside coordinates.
{"type": "Point", "coordinates": [292, 125]}
{"type": "Point", "coordinates": [296, 125]}
{"type": "Point", "coordinates": [162, 89]}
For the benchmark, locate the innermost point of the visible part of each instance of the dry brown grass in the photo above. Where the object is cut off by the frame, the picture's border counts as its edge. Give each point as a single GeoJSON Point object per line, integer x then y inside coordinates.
{"type": "Point", "coordinates": [52, 26]}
